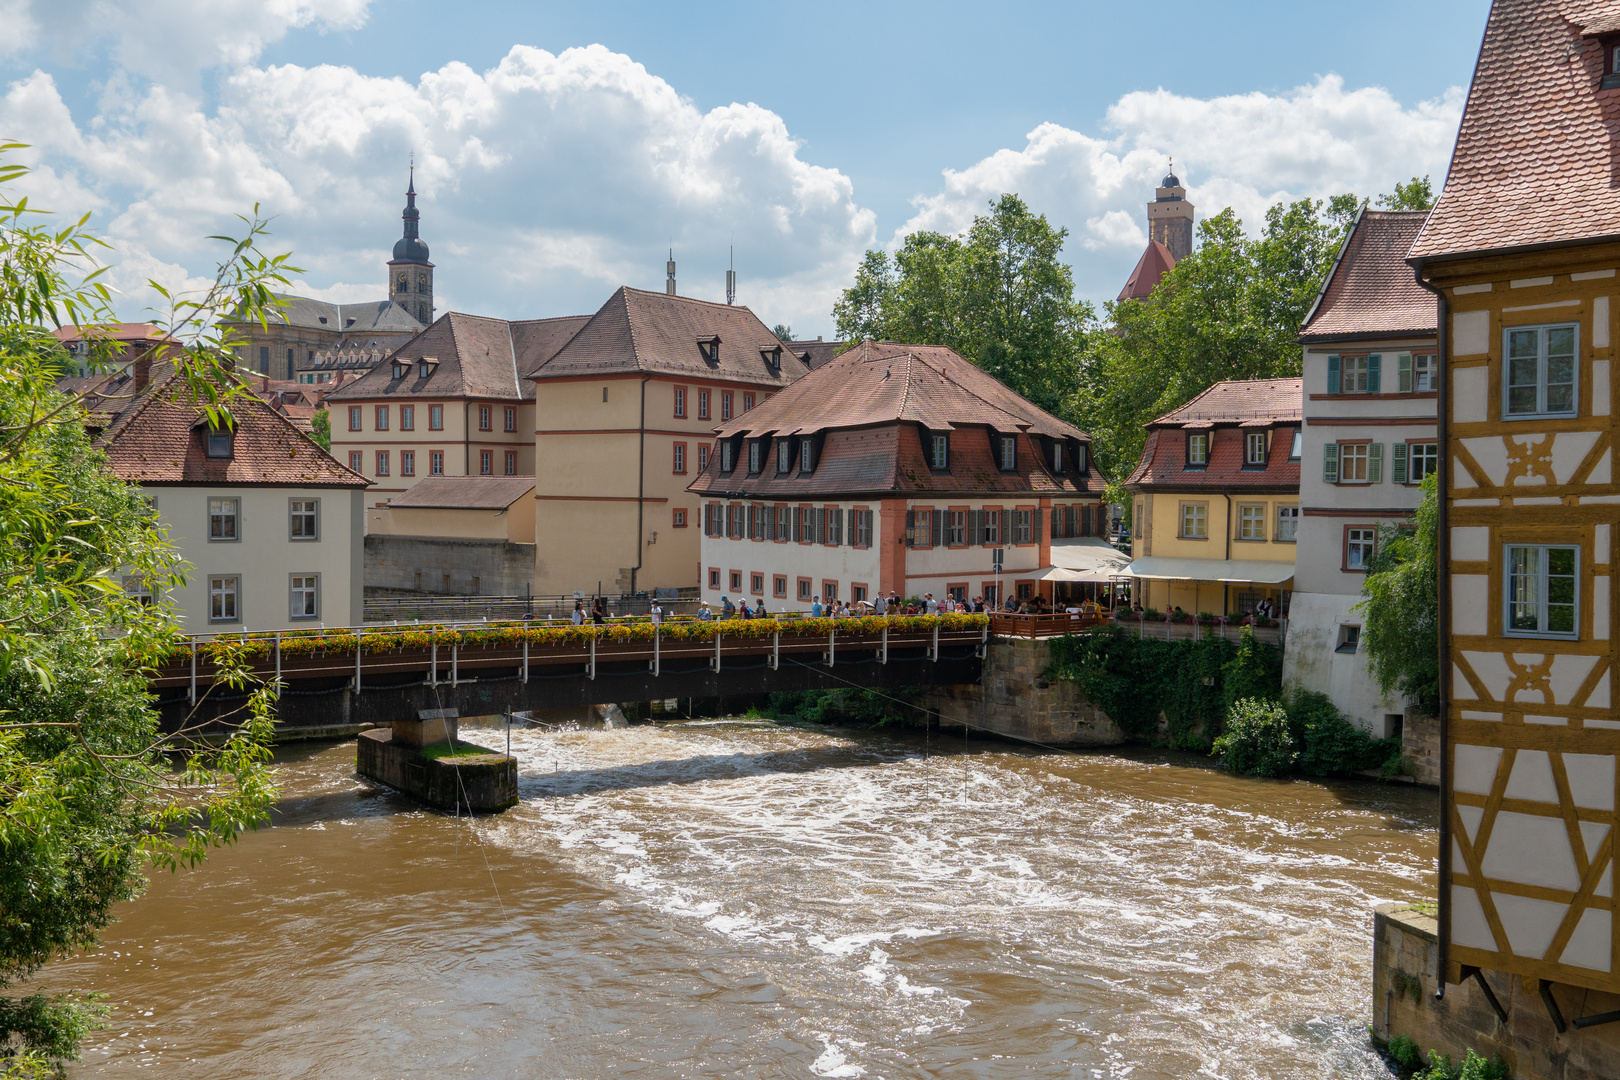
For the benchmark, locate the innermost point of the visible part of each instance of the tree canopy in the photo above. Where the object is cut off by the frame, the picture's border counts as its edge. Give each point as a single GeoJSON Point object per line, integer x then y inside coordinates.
{"type": "Point", "coordinates": [1401, 606]}
{"type": "Point", "coordinates": [999, 295]}
{"type": "Point", "coordinates": [92, 791]}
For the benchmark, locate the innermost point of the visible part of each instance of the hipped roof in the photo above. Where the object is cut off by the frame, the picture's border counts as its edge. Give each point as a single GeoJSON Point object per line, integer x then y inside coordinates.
{"type": "Point", "coordinates": [475, 357]}
{"type": "Point", "coordinates": [880, 382]}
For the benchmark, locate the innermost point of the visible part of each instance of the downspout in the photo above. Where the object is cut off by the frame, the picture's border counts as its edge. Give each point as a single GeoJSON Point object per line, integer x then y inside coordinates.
{"type": "Point", "coordinates": [1225, 587]}
{"type": "Point", "coordinates": [641, 485]}
{"type": "Point", "coordinates": [466, 438]}
{"type": "Point", "coordinates": [1442, 558]}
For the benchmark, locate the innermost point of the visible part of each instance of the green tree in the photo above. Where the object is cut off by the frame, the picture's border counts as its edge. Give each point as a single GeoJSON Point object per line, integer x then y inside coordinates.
{"type": "Point", "coordinates": [92, 791]}
{"type": "Point", "coordinates": [1230, 310]}
{"type": "Point", "coordinates": [1400, 610]}
{"type": "Point", "coordinates": [1415, 194]}
{"type": "Point", "coordinates": [999, 294]}
{"type": "Point", "coordinates": [320, 428]}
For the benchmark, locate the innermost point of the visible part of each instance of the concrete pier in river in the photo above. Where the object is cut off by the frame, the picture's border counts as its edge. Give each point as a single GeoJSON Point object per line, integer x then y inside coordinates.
{"type": "Point", "coordinates": [403, 757]}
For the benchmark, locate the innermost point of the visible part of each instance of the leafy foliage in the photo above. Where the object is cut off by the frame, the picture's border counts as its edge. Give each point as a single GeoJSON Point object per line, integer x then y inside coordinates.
{"type": "Point", "coordinates": [1401, 620]}
{"type": "Point", "coordinates": [1415, 194]}
{"type": "Point", "coordinates": [1404, 1053]}
{"type": "Point", "coordinates": [1258, 740]}
{"type": "Point", "coordinates": [999, 295]}
{"type": "Point", "coordinates": [783, 332]}
{"type": "Point", "coordinates": [320, 429]}
{"type": "Point", "coordinates": [1187, 682]}
{"type": "Point", "coordinates": [1472, 1067]}
{"type": "Point", "coordinates": [865, 708]}
{"type": "Point", "coordinates": [1330, 745]}
{"type": "Point", "coordinates": [91, 790]}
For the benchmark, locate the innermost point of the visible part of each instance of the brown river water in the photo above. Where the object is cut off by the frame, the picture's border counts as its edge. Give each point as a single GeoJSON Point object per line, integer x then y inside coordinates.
{"type": "Point", "coordinates": [722, 898]}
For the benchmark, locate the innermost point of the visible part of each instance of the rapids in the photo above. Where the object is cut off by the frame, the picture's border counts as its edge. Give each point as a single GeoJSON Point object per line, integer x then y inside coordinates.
{"type": "Point", "coordinates": [719, 898]}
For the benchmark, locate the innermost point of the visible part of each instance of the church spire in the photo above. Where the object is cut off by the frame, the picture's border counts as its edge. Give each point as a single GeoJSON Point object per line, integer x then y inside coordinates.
{"type": "Point", "coordinates": [410, 274]}
{"type": "Point", "coordinates": [412, 215]}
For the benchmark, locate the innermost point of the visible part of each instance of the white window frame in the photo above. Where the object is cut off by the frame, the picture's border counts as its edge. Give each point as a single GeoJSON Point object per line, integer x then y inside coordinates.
{"type": "Point", "coordinates": [1366, 543]}
{"type": "Point", "coordinates": [753, 456]}
{"type": "Point", "coordinates": [807, 454]}
{"type": "Point", "coordinates": [435, 462]}
{"type": "Point", "coordinates": [407, 418]}
{"type": "Point", "coordinates": [940, 458]}
{"type": "Point", "coordinates": [1296, 448]}
{"type": "Point", "coordinates": [1541, 360]}
{"type": "Point", "coordinates": [407, 463]}
{"type": "Point", "coordinates": [956, 528]}
{"type": "Point", "coordinates": [1287, 515]}
{"type": "Point", "coordinates": [228, 510]}
{"type": "Point", "coordinates": [307, 512]}
{"type": "Point", "coordinates": [217, 595]}
{"type": "Point", "coordinates": [1009, 453]}
{"type": "Point", "coordinates": [1198, 448]}
{"type": "Point", "coordinates": [1361, 452]}
{"type": "Point", "coordinates": [1425, 373]}
{"type": "Point", "coordinates": [357, 460]}
{"type": "Point", "coordinates": [382, 462]}
{"type": "Point", "coordinates": [1353, 379]}
{"type": "Point", "coordinates": [1251, 440]}
{"type": "Point", "coordinates": [1252, 514]}
{"type": "Point", "coordinates": [305, 587]}
{"type": "Point", "coordinates": [1541, 584]}
{"type": "Point", "coordinates": [1194, 513]}
{"type": "Point", "coordinates": [1431, 456]}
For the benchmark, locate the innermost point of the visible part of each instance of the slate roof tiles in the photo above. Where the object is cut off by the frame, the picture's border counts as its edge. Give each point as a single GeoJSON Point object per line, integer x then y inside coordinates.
{"type": "Point", "coordinates": [1534, 161]}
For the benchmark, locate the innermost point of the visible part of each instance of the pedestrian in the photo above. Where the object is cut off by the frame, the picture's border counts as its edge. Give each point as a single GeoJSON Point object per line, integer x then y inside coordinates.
{"type": "Point", "coordinates": [599, 611]}
{"type": "Point", "coordinates": [727, 609]}
{"type": "Point", "coordinates": [656, 612]}
{"type": "Point", "coordinates": [742, 609]}
{"type": "Point", "coordinates": [929, 607]}
{"type": "Point", "coordinates": [759, 610]}
{"type": "Point", "coordinates": [881, 606]}
{"type": "Point", "coordinates": [578, 618]}
{"type": "Point", "coordinates": [704, 614]}
{"type": "Point", "coordinates": [816, 610]}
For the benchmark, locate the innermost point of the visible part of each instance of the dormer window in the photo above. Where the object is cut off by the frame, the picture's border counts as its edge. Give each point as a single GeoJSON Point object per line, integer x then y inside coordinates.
{"type": "Point", "coordinates": [399, 370]}
{"type": "Point", "coordinates": [218, 442]}
{"type": "Point", "coordinates": [323, 320]}
{"type": "Point", "coordinates": [939, 452]}
{"type": "Point", "coordinates": [807, 454]}
{"type": "Point", "coordinates": [753, 456]}
{"type": "Point", "coordinates": [710, 347]}
{"type": "Point", "coordinates": [1297, 448]}
{"type": "Point", "coordinates": [726, 461]}
{"type": "Point", "coordinates": [1008, 455]}
{"type": "Point", "coordinates": [1080, 457]}
{"type": "Point", "coordinates": [773, 357]}
{"type": "Point", "coordinates": [1610, 44]}
{"type": "Point", "coordinates": [1197, 449]}
{"type": "Point", "coordinates": [784, 455]}
{"type": "Point", "coordinates": [1254, 449]}
{"type": "Point", "coordinates": [347, 323]}
{"type": "Point", "coordinates": [1057, 457]}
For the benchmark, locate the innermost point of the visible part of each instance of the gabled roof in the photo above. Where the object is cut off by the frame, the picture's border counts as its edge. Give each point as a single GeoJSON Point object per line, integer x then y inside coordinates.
{"type": "Point", "coordinates": [1155, 262]}
{"type": "Point", "coordinates": [1238, 400]}
{"type": "Point", "coordinates": [538, 340]}
{"type": "Point", "coordinates": [639, 332]}
{"type": "Point", "coordinates": [880, 382]}
{"type": "Point", "coordinates": [1534, 160]}
{"type": "Point", "coordinates": [465, 492]}
{"type": "Point", "coordinates": [1371, 291]}
{"type": "Point", "coordinates": [474, 360]}
{"type": "Point", "coordinates": [154, 440]}
{"type": "Point", "coordinates": [816, 353]}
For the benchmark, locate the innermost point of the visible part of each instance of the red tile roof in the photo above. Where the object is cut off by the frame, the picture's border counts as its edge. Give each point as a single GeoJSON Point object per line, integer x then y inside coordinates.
{"type": "Point", "coordinates": [646, 332]}
{"type": "Point", "coordinates": [124, 331]}
{"type": "Point", "coordinates": [156, 438]}
{"type": "Point", "coordinates": [882, 381]}
{"type": "Point", "coordinates": [1226, 411]}
{"type": "Point", "coordinates": [1155, 262]}
{"type": "Point", "coordinates": [871, 408]}
{"type": "Point", "coordinates": [465, 492]}
{"type": "Point", "coordinates": [1371, 291]}
{"type": "Point", "coordinates": [1534, 157]}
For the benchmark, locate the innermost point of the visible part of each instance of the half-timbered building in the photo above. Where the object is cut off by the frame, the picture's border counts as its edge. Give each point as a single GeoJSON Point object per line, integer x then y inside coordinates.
{"type": "Point", "coordinates": [1523, 250]}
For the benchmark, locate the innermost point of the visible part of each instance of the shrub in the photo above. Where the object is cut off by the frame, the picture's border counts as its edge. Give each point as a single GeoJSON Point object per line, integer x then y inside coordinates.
{"type": "Point", "coordinates": [1404, 1053]}
{"type": "Point", "coordinates": [1255, 671]}
{"type": "Point", "coordinates": [1257, 740]}
{"type": "Point", "coordinates": [1330, 745]}
{"type": "Point", "coordinates": [1151, 614]}
{"type": "Point", "coordinates": [1473, 1067]}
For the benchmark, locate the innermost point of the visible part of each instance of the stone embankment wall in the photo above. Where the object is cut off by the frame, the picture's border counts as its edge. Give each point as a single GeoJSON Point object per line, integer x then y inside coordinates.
{"type": "Point", "coordinates": [1420, 742]}
{"type": "Point", "coordinates": [1405, 954]}
{"type": "Point", "coordinates": [1014, 699]}
{"type": "Point", "coordinates": [425, 564]}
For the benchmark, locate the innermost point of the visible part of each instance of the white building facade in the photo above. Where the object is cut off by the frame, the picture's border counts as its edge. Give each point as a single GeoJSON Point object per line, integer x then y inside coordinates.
{"type": "Point", "coordinates": [1369, 439]}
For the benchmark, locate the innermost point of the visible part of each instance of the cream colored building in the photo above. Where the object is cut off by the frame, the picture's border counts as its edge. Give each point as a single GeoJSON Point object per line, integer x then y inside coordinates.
{"type": "Point", "coordinates": [269, 523]}
{"type": "Point", "coordinates": [625, 415]}
{"type": "Point", "coordinates": [1216, 501]}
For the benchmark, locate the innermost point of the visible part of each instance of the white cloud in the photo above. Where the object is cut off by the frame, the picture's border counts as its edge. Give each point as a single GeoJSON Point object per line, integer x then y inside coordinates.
{"type": "Point", "coordinates": [544, 182]}
{"type": "Point", "coordinates": [1245, 151]}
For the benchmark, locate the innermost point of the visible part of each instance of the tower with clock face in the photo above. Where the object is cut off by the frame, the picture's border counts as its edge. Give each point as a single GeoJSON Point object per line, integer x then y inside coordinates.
{"type": "Point", "coordinates": [410, 274]}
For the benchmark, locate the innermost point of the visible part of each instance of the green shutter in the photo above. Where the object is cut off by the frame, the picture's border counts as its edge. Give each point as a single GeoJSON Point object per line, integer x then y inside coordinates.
{"type": "Point", "coordinates": [1333, 375]}
{"type": "Point", "coordinates": [1373, 363]}
{"type": "Point", "coordinates": [1397, 463]}
{"type": "Point", "coordinates": [1403, 377]}
{"type": "Point", "coordinates": [1330, 461]}
{"type": "Point", "coordinates": [1375, 463]}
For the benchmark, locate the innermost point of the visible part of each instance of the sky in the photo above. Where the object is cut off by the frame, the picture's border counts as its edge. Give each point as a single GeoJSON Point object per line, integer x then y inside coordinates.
{"type": "Point", "coordinates": [563, 149]}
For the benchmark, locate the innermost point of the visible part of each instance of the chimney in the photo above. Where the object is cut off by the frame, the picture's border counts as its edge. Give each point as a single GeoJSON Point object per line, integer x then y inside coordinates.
{"type": "Point", "coordinates": [141, 370]}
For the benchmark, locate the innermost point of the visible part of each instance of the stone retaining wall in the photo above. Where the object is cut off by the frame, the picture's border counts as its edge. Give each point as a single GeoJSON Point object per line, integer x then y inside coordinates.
{"type": "Point", "coordinates": [1013, 699]}
{"type": "Point", "coordinates": [1405, 952]}
{"type": "Point", "coordinates": [474, 567]}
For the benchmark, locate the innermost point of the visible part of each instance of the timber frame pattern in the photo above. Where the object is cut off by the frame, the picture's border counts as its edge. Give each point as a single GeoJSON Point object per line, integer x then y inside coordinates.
{"type": "Point", "coordinates": [1532, 746]}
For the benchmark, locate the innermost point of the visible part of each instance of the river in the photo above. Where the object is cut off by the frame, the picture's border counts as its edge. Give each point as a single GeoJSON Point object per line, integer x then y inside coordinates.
{"type": "Point", "coordinates": [720, 898]}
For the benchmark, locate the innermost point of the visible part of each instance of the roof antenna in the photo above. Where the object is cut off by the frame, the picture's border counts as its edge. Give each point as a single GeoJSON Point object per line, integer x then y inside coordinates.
{"type": "Point", "coordinates": [731, 279]}
{"type": "Point", "coordinates": [669, 271]}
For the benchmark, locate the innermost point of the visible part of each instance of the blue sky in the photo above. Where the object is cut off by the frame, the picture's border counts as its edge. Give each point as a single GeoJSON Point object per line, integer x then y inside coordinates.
{"type": "Point", "coordinates": [564, 147]}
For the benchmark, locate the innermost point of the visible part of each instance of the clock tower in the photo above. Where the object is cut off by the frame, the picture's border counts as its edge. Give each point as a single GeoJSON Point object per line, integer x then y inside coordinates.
{"type": "Point", "coordinates": [410, 274]}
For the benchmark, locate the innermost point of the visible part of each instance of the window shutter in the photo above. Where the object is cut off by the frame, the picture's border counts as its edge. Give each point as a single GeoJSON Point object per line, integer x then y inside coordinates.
{"type": "Point", "coordinates": [1403, 375]}
{"type": "Point", "coordinates": [1374, 362]}
{"type": "Point", "coordinates": [821, 525]}
{"type": "Point", "coordinates": [1085, 521]}
{"type": "Point", "coordinates": [1333, 375]}
{"type": "Point", "coordinates": [935, 533]}
{"type": "Point", "coordinates": [975, 527]}
{"type": "Point", "coordinates": [1002, 539]}
{"type": "Point", "coordinates": [1035, 529]}
{"type": "Point", "coordinates": [795, 526]}
{"type": "Point", "coordinates": [1375, 463]}
{"type": "Point", "coordinates": [1330, 462]}
{"type": "Point", "coordinates": [1397, 463]}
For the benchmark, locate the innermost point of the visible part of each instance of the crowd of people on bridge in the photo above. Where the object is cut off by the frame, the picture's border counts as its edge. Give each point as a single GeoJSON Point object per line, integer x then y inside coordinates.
{"type": "Point", "coordinates": [892, 604]}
